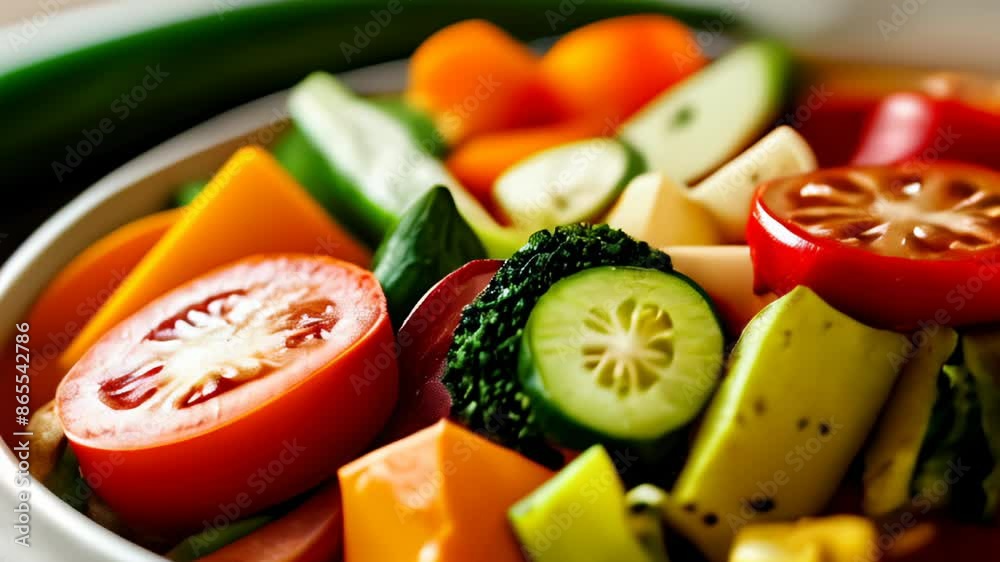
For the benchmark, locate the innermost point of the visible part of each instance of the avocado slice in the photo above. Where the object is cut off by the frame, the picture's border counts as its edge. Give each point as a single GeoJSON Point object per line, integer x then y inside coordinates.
{"type": "Point", "coordinates": [579, 514]}
{"type": "Point", "coordinates": [804, 389]}
{"type": "Point", "coordinates": [891, 458]}
{"type": "Point", "coordinates": [693, 128]}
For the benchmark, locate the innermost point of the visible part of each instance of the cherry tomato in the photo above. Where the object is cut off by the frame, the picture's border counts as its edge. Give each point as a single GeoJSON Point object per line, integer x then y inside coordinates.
{"type": "Point", "coordinates": [233, 392]}
{"type": "Point", "coordinates": [424, 339]}
{"type": "Point", "coordinates": [897, 246]}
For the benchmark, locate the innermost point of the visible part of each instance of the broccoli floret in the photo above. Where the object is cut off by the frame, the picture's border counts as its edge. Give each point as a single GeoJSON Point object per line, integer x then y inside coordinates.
{"type": "Point", "coordinates": [481, 371]}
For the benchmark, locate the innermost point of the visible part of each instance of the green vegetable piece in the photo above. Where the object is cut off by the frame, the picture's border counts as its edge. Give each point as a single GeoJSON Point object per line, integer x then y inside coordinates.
{"type": "Point", "coordinates": [210, 540]}
{"type": "Point", "coordinates": [571, 183]}
{"type": "Point", "coordinates": [430, 241]}
{"type": "Point", "coordinates": [586, 502]}
{"type": "Point", "coordinates": [365, 163]}
{"type": "Point", "coordinates": [420, 125]}
{"type": "Point", "coordinates": [706, 120]}
{"type": "Point", "coordinates": [620, 355]}
{"type": "Point", "coordinates": [954, 458]}
{"type": "Point", "coordinates": [891, 458]}
{"type": "Point", "coordinates": [981, 350]}
{"type": "Point", "coordinates": [187, 191]}
{"type": "Point", "coordinates": [804, 388]}
{"type": "Point", "coordinates": [481, 372]}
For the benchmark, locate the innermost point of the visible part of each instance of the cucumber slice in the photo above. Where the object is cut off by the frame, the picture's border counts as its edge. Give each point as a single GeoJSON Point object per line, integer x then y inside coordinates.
{"type": "Point", "coordinates": [574, 182]}
{"type": "Point", "coordinates": [696, 126]}
{"type": "Point", "coordinates": [620, 354]}
{"type": "Point", "coordinates": [375, 167]}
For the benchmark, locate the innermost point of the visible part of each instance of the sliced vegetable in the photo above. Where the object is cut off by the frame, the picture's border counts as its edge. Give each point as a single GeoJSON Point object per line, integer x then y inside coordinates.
{"type": "Point", "coordinates": [620, 355]}
{"type": "Point", "coordinates": [423, 341]}
{"type": "Point", "coordinates": [837, 538]}
{"type": "Point", "coordinates": [430, 241]}
{"type": "Point", "coordinates": [439, 495]}
{"type": "Point", "coordinates": [478, 162]}
{"type": "Point", "coordinates": [571, 183]}
{"type": "Point", "coordinates": [726, 274]}
{"type": "Point", "coordinates": [586, 501]}
{"type": "Point", "coordinates": [197, 547]}
{"type": "Point", "coordinates": [696, 126]}
{"type": "Point", "coordinates": [615, 66]}
{"type": "Point", "coordinates": [805, 385]}
{"type": "Point", "coordinates": [313, 531]}
{"type": "Point", "coordinates": [893, 246]}
{"type": "Point", "coordinates": [655, 209]}
{"type": "Point", "coordinates": [981, 351]}
{"type": "Point", "coordinates": [373, 167]}
{"type": "Point", "coordinates": [481, 375]}
{"type": "Point", "coordinates": [251, 206]}
{"type": "Point", "coordinates": [891, 458]}
{"type": "Point", "coordinates": [255, 381]}
{"type": "Point", "coordinates": [909, 127]}
{"type": "Point", "coordinates": [475, 78]}
{"type": "Point", "coordinates": [72, 298]}
{"type": "Point", "coordinates": [728, 193]}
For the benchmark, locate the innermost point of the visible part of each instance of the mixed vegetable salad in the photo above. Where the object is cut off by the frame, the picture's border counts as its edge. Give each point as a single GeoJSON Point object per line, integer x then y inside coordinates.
{"type": "Point", "coordinates": [606, 303]}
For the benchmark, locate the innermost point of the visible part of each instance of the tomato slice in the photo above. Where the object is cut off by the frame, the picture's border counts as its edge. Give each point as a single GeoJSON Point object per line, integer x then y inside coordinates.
{"type": "Point", "coordinates": [243, 387]}
{"type": "Point", "coordinates": [897, 246]}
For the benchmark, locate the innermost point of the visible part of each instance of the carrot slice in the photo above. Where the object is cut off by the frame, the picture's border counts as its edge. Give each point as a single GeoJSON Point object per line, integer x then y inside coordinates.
{"type": "Point", "coordinates": [479, 162]}
{"type": "Point", "coordinates": [251, 206]}
{"type": "Point", "coordinates": [474, 78]}
{"type": "Point", "coordinates": [613, 67]}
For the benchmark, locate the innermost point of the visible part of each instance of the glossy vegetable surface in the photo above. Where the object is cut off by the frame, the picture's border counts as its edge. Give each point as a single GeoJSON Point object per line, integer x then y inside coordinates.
{"type": "Point", "coordinates": [250, 384]}
{"type": "Point", "coordinates": [893, 246]}
{"type": "Point", "coordinates": [251, 206]}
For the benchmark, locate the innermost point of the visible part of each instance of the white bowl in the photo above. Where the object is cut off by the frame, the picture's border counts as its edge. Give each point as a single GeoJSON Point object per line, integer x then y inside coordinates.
{"type": "Point", "coordinates": [140, 187]}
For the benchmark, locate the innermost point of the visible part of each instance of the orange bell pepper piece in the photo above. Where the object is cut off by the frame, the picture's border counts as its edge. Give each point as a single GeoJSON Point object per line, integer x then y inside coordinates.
{"type": "Point", "coordinates": [251, 206]}
{"type": "Point", "coordinates": [613, 67]}
{"type": "Point", "coordinates": [439, 495]}
{"type": "Point", "coordinates": [74, 296]}
{"type": "Point", "coordinates": [474, 78]}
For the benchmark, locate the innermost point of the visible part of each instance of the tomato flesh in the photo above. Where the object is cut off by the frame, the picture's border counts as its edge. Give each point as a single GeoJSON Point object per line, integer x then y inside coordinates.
{"type": "Point", "coordinates": [897, 246]}
{"type": "Point", "coordinates": [250, 384]}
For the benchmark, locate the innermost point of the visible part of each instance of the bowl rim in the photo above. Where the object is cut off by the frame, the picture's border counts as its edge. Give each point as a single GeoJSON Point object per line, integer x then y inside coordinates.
{"type": "Point", "coordinates": [25, 274]}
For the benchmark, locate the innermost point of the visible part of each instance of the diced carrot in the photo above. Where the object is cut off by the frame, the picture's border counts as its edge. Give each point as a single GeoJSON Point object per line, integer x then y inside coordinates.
{"type": "Point", "coordinates": [74, 296]}
{"type": "Point", "coordinates": [439, 495]}
{"type": "Point", "coordinates": [251, 206]}
{"type": "Point", "coordinates": [474, 78]}
{"type": "Point", "coordinates": [478, 162]}
{"type": "Point", "coordinates": [312, 532]}
{"type": "Point", "coordinates": [613, 67]}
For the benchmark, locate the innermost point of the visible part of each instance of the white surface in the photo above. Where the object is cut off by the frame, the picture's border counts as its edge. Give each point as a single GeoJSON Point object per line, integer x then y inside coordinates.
{"type": "Point", "coordinates": [144, 185]}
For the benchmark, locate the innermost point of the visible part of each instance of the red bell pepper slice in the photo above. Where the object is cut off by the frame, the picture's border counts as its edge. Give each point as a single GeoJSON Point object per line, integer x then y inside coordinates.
{"type": "Point", "coordinates": [890, 246]}
{"type": "Point", "coordinates": [916, 127]}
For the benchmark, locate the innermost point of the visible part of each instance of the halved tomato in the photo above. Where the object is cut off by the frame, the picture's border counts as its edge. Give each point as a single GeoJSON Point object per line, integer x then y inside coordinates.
{"type": "Point", "coordinates": [900, 247]}
{"type": "Point", "coordinates": [233, 392]}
